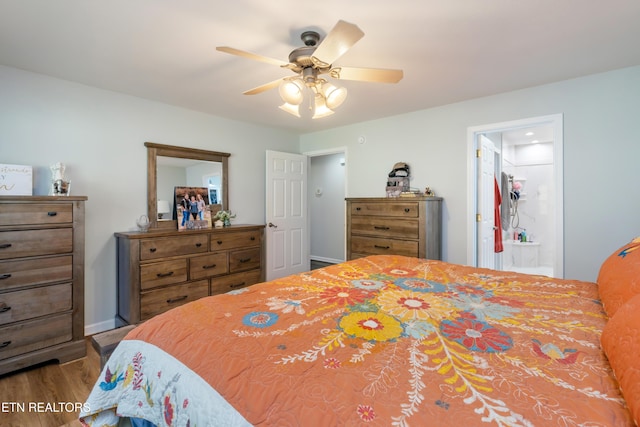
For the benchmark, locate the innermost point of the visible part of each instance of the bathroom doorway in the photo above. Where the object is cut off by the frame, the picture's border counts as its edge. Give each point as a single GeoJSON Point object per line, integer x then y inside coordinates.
{"type": "Point", "coordinates": [526, 161]}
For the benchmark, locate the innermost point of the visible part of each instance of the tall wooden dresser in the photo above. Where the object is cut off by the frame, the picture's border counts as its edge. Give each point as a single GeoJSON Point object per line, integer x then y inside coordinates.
{"type": "Point", "coordinates": [41, 280]}
{"type": "Point", "coordinates": [400, 226]}
{"type": "Point", "coordinates": [162, 269]}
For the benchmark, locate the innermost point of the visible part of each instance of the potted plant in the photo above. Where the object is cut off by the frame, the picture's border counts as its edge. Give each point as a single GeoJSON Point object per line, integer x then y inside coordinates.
{"type": "Point", "coordinates": [225, 217]}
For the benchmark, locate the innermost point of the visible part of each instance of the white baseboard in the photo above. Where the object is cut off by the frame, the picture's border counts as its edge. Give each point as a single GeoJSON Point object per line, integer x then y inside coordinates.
{"type": "Point", "coordinates": [323, 259]}
{"type": "Point", "coordinates": [96, 328]}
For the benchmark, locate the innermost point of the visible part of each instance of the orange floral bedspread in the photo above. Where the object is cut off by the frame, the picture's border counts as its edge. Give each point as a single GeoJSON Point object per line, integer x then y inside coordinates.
{"type": "Point", "coordinates": [397, 341]}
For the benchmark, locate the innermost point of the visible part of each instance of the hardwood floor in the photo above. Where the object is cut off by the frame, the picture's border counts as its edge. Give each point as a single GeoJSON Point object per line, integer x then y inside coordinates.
{"type": "Point", "coordinates": [25, 394]}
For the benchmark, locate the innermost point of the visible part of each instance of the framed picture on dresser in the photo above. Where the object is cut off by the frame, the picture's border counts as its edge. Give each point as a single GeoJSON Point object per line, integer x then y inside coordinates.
{"type": "Point", "coordinates": [192, 207]}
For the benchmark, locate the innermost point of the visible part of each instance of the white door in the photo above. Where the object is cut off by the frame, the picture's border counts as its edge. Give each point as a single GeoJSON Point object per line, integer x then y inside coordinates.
{"type": "Point", "coordinates": [485, 158]}
{"type": "Point", "coordinates": [287, 241]}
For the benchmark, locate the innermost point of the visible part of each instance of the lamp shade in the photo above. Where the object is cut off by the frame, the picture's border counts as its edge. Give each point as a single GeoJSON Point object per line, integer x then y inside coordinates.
{"type": "Point", "coordinates": [291, 109]}
{"type": "Point", "coordinates": [334, 95]}
{"type": "Point", "coordinates": [291, 91]}
{"type": "Point", "coordinates": [321, 109]}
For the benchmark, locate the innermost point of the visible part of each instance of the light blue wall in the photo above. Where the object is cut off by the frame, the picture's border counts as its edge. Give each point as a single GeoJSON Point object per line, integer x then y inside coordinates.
{"type": "Point", "coordinates": [601, 152]}
{"type": "Point", "coordinates": [100, 136]}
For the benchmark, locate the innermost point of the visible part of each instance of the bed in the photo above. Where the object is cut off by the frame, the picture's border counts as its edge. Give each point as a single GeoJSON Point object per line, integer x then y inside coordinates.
{"type": "Point", "coordinates": [383, 341]}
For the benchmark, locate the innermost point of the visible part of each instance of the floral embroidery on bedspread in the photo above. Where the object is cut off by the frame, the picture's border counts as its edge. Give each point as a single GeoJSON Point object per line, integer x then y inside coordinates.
{"type": "Point", "coordinates": [157, 388]}
{"type": "Point", "coordinates": [475, 338]}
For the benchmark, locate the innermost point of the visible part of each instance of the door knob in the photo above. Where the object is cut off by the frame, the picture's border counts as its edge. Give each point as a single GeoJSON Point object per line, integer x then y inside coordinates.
{"type": "Point", "coordinates": [272, 225]}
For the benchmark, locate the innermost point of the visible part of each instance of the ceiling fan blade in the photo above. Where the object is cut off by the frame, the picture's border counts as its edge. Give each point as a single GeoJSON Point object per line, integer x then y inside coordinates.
{"type": "Point", "coordinates": [376, 75]}
{"type": "Point", "coordinates": [336, 43]}
{"type": "Point", "coordinates": [250, 55]}
{"type": "Point", "coordinates": [263, 88]}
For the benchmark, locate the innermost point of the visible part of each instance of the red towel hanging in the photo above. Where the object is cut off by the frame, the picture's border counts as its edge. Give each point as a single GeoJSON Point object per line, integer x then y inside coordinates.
{"type": "Point", "coordinates": [497, 202]}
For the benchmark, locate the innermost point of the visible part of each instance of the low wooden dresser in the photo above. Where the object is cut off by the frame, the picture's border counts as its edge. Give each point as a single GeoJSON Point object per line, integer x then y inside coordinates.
{"type": "Point", "coordinates": [162, 269]}
{"type": "Point", "coordinates": [41, 280]}
{"type": "Point", "coordinates": [410, 226]}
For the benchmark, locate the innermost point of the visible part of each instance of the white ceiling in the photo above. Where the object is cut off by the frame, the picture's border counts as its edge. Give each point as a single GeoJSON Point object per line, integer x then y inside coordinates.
{"type": "Point", "coordinates": [450, 51]}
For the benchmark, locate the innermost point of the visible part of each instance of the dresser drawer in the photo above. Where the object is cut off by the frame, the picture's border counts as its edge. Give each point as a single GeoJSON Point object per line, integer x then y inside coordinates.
{"type": "Point", "coordinates": [155, 302]}
{"type": "Point", "coordinates": [228, 283]}
{"type": "Point", "coordinates": [17, 244]}
{"type": "Point", "coordinates": [208, 265]}
{"type": "Point", "coordinates": [36, 213]}
{"type": "Point", "coordinates": [163, 273]}
{"type": "Point", "coordinates": [244, 260]}
{"type": "Point", "coordinates": [242, 239]}
{"type": "Point", "coordinates": [399, 209]}
{"type": "Point", "coordinates": [19, 273]}
{"type": "Point", "coordinates": [172, 246]}
{"type": "Point", "coordinates": [35, 302]}
{"type": "Point", "coordinates": [34, 335]}
{"type": "Point", "coordinates": [378, 246]}
{"type": "Point", "coordinates": [383, 227]}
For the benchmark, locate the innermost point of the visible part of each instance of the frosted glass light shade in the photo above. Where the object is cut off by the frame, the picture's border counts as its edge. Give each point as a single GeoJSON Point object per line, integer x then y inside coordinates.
{"type": "Point", "coordinates": [321, 109]}
{"type": "Point", "coordinates": [334, 96]}
{"type": "Point", "coordinates": [291, 91]}
{"type": "Point", "coordinates": [291, 109]}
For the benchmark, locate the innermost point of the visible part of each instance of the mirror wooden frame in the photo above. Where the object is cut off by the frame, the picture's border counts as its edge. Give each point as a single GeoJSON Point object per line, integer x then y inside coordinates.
{"type": "Point", "coordinates": [154, 150]}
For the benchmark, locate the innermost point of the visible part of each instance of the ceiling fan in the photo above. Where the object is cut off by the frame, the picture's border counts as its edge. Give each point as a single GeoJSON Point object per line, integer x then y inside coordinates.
{"type": "Point", "coordinates": [311, 63]}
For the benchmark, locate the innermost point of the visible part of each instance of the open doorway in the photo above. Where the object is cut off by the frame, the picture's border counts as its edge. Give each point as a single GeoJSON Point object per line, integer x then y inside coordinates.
{"type": "Point", "coordinates": [326, 193]}
{"type": "Point", "coordinates": [526, 162]}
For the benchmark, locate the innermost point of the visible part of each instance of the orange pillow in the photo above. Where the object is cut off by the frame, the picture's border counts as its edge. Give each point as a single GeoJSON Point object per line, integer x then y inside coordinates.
{"type": "Point", "coordinates": [619, 277]}
{"type": "Point", "coordinates": [621, 343]}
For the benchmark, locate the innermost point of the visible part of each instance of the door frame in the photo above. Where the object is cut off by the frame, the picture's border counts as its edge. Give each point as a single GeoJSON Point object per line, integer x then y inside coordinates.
{"type": "Point", "coordinates": [554, 120]}
{"type": "Point", "coordinates": [325, 152]}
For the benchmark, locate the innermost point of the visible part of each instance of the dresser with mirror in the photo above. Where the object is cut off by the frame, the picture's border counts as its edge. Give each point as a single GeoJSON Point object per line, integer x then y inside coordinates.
{"type": "Point", "coordinates": [164, 267]}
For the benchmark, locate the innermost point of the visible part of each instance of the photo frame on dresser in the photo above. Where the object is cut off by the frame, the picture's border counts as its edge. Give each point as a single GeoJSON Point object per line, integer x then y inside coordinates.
{"type": "Point", "coordinates": [192, 207]}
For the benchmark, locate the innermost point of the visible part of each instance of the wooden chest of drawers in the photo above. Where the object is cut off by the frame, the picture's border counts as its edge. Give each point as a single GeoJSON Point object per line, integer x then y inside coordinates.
{"type": "Point", "coordinates": [400, 226]}
{"type": "Point", "coordinates": [162, 269]}
{"type": "Point", "coordinates": [41, 280]}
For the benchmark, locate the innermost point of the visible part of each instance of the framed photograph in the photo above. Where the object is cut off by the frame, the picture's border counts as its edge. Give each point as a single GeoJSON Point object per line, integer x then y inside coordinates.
{"type": "Point", "coordinates": [192, 208]}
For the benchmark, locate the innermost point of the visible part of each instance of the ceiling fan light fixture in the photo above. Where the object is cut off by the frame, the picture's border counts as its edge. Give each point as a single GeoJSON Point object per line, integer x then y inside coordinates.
{"type": "Point", "coordinates": [294, 110]}
{"type": "Point", "coordinates": [291, 91]}
{"type": "Point", "coordinates": [333, 95]}
{"type": "Point", "coordinates": [321, 110]}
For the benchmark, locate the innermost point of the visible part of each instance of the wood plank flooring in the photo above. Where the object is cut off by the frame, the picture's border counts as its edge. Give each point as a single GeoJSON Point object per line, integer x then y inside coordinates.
{"type": "Point", "coordinates": [60, 385]}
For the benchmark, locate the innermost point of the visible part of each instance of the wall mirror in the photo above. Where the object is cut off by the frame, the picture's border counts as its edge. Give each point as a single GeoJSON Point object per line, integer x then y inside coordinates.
{"type": "Point", "coordinates": [170, 166]}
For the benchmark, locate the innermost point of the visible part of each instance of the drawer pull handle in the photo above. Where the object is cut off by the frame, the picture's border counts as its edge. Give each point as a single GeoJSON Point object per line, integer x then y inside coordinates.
{"type": "Point", "coordinates": [165, 274]}
{"type": "Point", "coordinates": [152, 250]}
{"type": "Point", "coordinates": [237, 285]}
{"type": "Point", "coordinates": [219, 242]}
{"type": "Point", "coordinates": [4, 307]}
{"type": "Point", "coordinates": [381, 228]}
{"type": "Point", "coordinates": [407, 210]}
{"type": "Point", "coordinates": [177, 299]}
{"type": "Point", "coordinates": [198, 245]}
{"type": "Point", "coordinates": [381, 247]}
{"type": "Point", "coordinates": [243, 260]}
{"type": "Point", "coordinates": [253, 238]}
{"type": "Point", "coordinates": [52, 213]}
{"type": "Point", "coordinates": [5, 245]}
{"type": "Point", "coordinates": [206, 267]}
{"type": "Point", "coordinates": [358, 209]}
{"type": "Point", "coordinates": [5, 276]}
{"type": "Point", "coordinates": [5, 344]}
